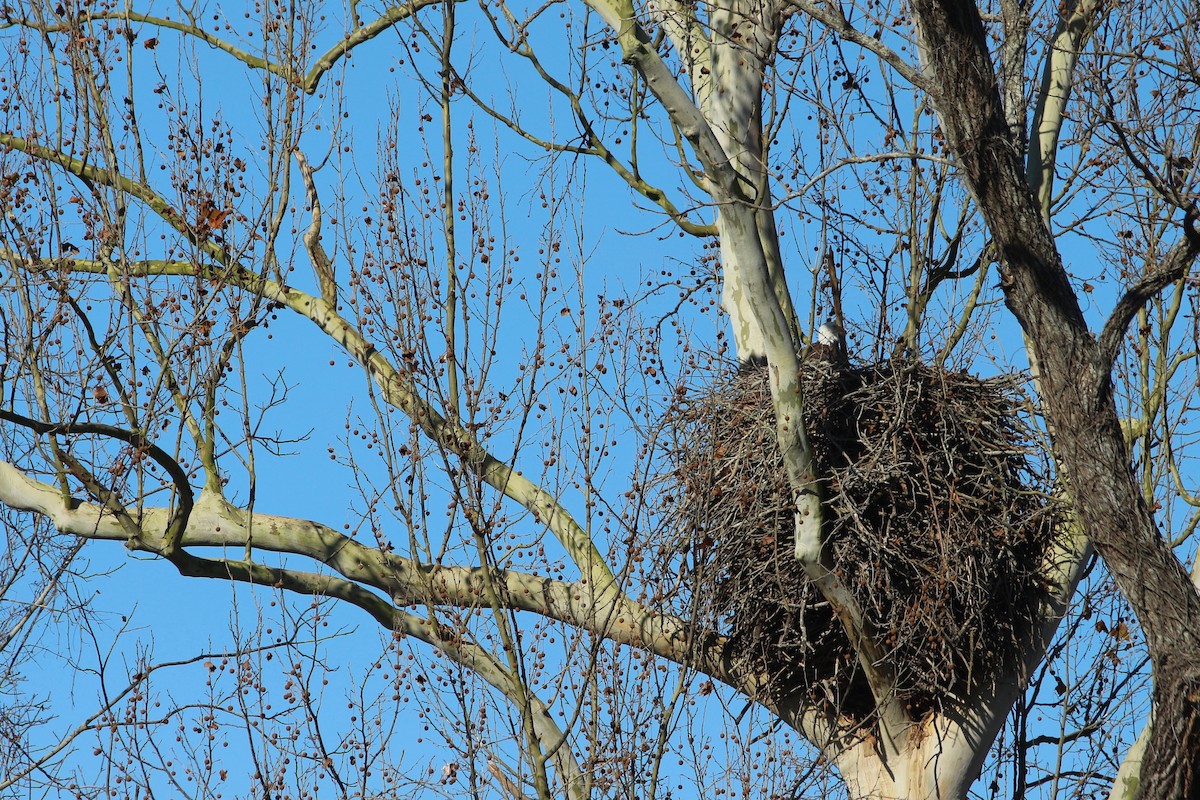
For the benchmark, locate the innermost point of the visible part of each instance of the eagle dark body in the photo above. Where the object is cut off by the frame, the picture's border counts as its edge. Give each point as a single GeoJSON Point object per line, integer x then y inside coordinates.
{"type": "Point", "coordinates": [751, 364]}
{"type": "Point", "coordinates": [829, 353]}
{"type": "Point", "coordinates": [829, 347]}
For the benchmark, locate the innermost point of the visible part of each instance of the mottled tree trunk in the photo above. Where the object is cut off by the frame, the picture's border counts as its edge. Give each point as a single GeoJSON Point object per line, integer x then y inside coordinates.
{"type": "Point", "coordinates": [1076, 390]}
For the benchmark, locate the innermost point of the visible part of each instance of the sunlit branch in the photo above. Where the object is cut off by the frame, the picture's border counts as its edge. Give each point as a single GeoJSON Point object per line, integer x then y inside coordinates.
{"type": "Point", "coordinates": [359, 35]}
{"type": "Point", "coordinates": [398, 390]}
{"type": "Point", "coordinates": [307, 82]}
{"type": "Point", "coordinates": [449, 229]}
{"type": "Point", "coordinates": [830, 15]}
{"type": "Point", "coordinates": [214, 523]}
{"type": "Point", "coordinates": [111, 178]}
{"type": "Point", "coordinates": [1172, 268]}
{"type": "Point", "coordinates": [322, 267]}
{"type": "Point", "coordinates": [1075, 27]}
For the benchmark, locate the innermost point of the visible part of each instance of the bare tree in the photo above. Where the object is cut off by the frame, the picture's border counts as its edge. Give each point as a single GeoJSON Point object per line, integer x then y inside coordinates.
{"type": "Point", "coordinates": [906, 169]}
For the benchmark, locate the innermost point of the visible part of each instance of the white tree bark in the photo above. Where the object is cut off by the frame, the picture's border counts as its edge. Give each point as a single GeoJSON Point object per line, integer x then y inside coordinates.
{"type": "Point", "coordinates": [1075, 27]}
{"type": "Point", "coordinates": [933, 759]}
{"type": "Point", "coordinates": [727, 62]}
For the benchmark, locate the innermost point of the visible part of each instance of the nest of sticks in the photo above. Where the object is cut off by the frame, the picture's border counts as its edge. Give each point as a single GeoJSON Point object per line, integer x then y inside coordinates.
{"type": "Point", "coordinates": [937, 520]}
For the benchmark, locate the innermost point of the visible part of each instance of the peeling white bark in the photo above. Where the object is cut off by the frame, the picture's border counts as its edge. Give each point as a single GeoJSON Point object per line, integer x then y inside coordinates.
{"type": "Point", "coordinates": [1075, 27]}
{"type": "Point", "coordinates": [1128, 784]}
{"type": "Point", "coordinates": [726, 60]}
{"type": "Point", "coordinates": [937, 759]}
{"type": "Point", "coordinates": [739, 306]}
{"type": "Point", "coordinates": [742, 39]}
{"type": "Point", "coordinates": [214, 522]}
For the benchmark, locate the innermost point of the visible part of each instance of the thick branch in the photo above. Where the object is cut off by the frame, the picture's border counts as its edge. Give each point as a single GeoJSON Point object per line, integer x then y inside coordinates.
{"type": "Point", "coordinates": [178, 520]}
{"type": "Point", "coordinates": [397, 388]}
{"type": "Point", "coordinates": [1075, 27]}
{"type": "Point", "coordinates": [1172, 268]}
{"type": "Point", "coordinates": [216, 523]}
{"type": "Point", "coordinates": [1076, 389]}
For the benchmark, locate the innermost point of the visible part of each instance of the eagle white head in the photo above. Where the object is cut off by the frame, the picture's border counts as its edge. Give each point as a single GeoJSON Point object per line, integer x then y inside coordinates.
{"type": "Point", "coordinates": [830, 346]}
{"type": "Point", "coordinates": [830, 333]}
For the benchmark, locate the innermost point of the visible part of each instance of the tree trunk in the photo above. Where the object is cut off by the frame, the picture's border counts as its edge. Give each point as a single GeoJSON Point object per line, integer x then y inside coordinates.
{"type": "Point", "coordinates": [935, 759]}
{"type": "Point", "coordinates": [1076, 390]}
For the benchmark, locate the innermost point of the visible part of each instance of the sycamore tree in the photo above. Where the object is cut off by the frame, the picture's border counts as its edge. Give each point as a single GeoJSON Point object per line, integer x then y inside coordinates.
{"type": "Point", "coordinates": [193, 195]}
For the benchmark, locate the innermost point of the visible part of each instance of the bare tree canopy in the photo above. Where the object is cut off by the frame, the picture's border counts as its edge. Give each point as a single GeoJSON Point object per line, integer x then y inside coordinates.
{"type": "Point", "coordinates": [761, 398]}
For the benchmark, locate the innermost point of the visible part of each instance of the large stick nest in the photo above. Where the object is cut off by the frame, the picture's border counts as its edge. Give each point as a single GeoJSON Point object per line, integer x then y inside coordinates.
{"type": "Point", "coordinates": [936, 520]}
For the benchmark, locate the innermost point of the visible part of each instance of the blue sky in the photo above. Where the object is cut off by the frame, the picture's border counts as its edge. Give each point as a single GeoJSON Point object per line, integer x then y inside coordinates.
{"type": "Point", "coordinates": [599, 258]}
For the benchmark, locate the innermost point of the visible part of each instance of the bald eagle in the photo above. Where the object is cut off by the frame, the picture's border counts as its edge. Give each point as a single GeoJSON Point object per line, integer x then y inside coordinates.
{"type": "Point", "coordinates": [830, 346]}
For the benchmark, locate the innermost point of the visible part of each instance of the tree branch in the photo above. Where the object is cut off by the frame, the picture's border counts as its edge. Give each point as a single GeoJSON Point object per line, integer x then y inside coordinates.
{"type": "Point", "coordinates": [178, 520]}
{"type": "Point", "coordinates": [326, 278]}
{"type": "Point", "coordinates": [216, 523]}
{"type": "Point", "coordinates": [1075, 27]}
{"type": "Point", "coordinates": [307, 83]}
{"type": "Point", "coordinates": [1171, 269]}
{"type": "Point", "coordinates": [398, 389]}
